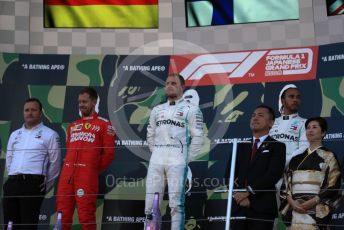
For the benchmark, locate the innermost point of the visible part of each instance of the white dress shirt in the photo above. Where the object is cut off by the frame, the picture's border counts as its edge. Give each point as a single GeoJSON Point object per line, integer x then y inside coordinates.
{"type": "Point", "coordinates": [34, 151]}
{"type": "Point", "coordinates": [261, 140]}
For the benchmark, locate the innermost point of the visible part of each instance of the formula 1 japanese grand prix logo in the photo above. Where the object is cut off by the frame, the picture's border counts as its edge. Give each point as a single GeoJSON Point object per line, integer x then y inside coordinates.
{"type": "Point", "coordinates": [248, 66]}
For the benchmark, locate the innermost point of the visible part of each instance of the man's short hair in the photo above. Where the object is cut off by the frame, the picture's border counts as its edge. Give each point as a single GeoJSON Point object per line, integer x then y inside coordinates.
{"type": "Point", "coordinates": [181, 79]}
{"type": "Point", "coordinates": [90, 91]}
{"type": "Point", "coordinates": [270, 111]}
{"type": "Point", "coordinates": [321, 121]}
{"type": "Point", "coordinates": [32, 99]}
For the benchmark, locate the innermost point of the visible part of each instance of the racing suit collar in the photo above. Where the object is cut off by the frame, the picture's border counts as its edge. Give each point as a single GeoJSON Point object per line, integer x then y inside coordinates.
{"type": "Point", "coordinates": [33, 128]}
{"type": "Point", "coordinates": [290, 116]}
{"type": "Point", "coordinates": [175, 102]}
{"type": "Point", "coordinates": [92, 116]}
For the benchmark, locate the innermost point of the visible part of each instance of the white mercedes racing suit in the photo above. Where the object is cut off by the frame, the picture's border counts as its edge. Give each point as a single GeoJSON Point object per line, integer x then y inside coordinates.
{"type": "Point", "coordinates": [175, 137]}
{"type": "Point", "coordinates": [290, 129]}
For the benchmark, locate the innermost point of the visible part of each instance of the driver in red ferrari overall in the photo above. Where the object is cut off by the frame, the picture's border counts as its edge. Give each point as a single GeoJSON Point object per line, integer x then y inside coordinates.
{"type": "Point", "coordinates": [90, 150]}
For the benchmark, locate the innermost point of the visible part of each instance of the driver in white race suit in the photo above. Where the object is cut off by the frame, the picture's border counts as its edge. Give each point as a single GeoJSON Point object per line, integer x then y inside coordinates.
{"type": "Point", "coordinates": [175, 137]}
{"type": "Point", "coordinates": [289, 128]}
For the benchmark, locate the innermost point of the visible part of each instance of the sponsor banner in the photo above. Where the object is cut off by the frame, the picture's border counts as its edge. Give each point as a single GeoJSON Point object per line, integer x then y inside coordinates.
{"type": "Point", "coordinates": [334, 137]}
{"type": "Point", "coordinates": [247, 66]}
{"type": "Point", "coordinates": [37, 69]}
{"type": "Point", "coordinates": [123, 214]}
{"type": "Point", "coordinates": [338, 217]}
{"type": "Point", "coordinates": [331, 60]}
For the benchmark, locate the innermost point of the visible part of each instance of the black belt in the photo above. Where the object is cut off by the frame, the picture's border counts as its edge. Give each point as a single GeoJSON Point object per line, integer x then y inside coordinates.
{"type": "Point", "coordinates": [26, 177]}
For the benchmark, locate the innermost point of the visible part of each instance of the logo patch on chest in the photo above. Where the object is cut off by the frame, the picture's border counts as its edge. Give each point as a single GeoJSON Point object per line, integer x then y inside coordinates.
{"type": "Point", "coordinates": [76, 127]}
{"type": "Point", "coordinates": [87, 125]}
{"type": "Point", "coordinates": [170, 122]}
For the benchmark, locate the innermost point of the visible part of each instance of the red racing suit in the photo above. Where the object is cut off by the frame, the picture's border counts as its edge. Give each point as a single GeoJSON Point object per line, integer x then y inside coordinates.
{"type": "Point", "coordinates": [90, 150]}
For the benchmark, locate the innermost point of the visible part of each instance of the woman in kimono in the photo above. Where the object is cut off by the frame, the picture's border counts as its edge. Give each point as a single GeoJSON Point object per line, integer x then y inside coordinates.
{"type": "Point", "coordinates": [312, 182]}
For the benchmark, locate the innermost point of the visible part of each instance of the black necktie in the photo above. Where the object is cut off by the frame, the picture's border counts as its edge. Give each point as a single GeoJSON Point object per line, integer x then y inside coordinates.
{"type": "Point", "coordinates": [172, 103]}
{"type": "Point", "coordinates": [254, 148]}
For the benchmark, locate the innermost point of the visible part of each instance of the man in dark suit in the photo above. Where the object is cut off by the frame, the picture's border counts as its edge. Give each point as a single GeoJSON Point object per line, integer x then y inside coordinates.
{"type": "Point", "coordinates": [259, 166]}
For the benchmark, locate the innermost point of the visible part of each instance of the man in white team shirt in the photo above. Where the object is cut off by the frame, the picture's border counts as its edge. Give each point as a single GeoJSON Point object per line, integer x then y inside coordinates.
{"type": "Point", "coordinates": [32, 163]}
{"type": "Point", "coordinates": [289, 128]}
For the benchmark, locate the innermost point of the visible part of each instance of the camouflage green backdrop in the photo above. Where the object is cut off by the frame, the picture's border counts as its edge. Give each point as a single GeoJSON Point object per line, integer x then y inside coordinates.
{"type": "Point", "coordinates": [129, 86]}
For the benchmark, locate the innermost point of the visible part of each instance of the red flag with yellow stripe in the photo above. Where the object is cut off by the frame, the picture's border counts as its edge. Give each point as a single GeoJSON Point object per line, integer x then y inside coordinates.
{"type": "Point", "coordinates": [101, 13]}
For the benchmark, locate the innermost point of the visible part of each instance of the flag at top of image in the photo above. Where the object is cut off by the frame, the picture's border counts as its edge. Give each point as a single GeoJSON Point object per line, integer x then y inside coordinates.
{"type": "Point", "coordinates": [335, 7]}
{"type": "Point", "coordinates": [224, 12]}
{"type": "Point", "coordinates": [101, 13]}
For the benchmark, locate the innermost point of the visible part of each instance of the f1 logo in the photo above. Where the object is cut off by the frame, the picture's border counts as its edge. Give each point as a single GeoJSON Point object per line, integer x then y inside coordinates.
{"type": "Point", "coordinates": [268, 65]}
{"type": "Point", "coordinates": [238, 64]}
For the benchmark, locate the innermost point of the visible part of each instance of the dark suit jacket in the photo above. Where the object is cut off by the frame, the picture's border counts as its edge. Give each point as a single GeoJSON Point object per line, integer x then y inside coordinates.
{"type": "Point", "coordinates": [260, 173]}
